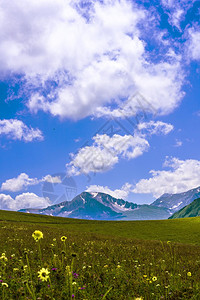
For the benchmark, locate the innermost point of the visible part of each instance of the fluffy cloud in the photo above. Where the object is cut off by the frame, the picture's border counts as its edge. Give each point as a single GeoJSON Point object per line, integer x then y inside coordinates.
{"type": "Point", "coordinates": [25, 200]}
{"type": "Point", "coordinates": [93, 56]}
{"type": "Point", "coordinates": [118, 193]}
{"type": "Point", "coordinates": [184, 175]}
{"type": "Point", "coordinates": [17, 130]}
{"type": "Point", "coordinates": [19, 183]}
{"type": "Point", "coordinates": [105, 153]}
{"type": "Point", "coordinates": [106, 150]}
{"type": "Point", "coordinates": [22, 181]}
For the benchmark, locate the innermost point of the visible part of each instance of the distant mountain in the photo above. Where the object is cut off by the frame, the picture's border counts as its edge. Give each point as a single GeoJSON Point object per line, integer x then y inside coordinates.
{"type": "Point", "coordinates": [101, 206]}
{"type": "Point", "coordinates": [174, 202]}
{"type": "Point", "coordinates": [191, 210]}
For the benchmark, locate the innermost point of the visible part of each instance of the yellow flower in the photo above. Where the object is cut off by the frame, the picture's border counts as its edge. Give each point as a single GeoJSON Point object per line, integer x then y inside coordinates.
{"type": "Point", "coordinates": [3, 257]}
{"type": "Point", "coordinates": [4, 284]}
{"type": "Point", "coordinates": [43, 274]}
{"type": "Point", "coordinates": [63, 238]}
{"type": "Point", "coordinates": [139, 298]}
{"type": "Point", "coordinates": [154, 278]}
{"type": "Point", "coordinates": [144, 276]}
{"type": "Point", "coordinates": [37, 235]}
{"type": "Point", "coordinates": [189, 274]}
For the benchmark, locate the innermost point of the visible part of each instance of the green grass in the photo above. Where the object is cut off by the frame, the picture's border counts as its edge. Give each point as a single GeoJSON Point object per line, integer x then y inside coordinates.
{"type": "Point", "coordinates": [114, 260]}
{"type": "Point", "coordinates": [185, 230]}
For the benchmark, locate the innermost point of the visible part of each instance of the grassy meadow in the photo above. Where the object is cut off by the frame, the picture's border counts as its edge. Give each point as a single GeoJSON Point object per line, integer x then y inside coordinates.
{"type": "Point", "coordinates": [80, 259]}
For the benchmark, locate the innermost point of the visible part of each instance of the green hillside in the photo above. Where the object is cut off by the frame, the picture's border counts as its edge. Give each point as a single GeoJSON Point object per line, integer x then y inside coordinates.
{"type": "Point", "coordinates": [191, 210]}
{"type": "Point", "coordinates": [181, 230]}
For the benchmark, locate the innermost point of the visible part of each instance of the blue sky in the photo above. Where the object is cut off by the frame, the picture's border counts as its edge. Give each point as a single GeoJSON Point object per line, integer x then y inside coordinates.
{"type": "Point", "coordinates": [102, 93]}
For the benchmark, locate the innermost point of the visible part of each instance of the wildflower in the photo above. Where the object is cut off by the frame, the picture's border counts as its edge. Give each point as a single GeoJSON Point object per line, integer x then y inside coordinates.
{"type": "Point", "coordinates": [154, 278]}
{"type": "Point", "coordinates": [75, 275]}
{"type": "Point", "coordinates": [63, 238]}
{"type": "Point", "coordinates": [15, 269]}
{"type": "Point", "coordinates": [144, 276]}
{"type": "Point", "coordinates": [43, 274]}
{"type": "Point", "coordinates": [3, 257]}
{"type": "Point", "coordinates": [139, 298]}
{"type": "Point", "coordinates": [189, 274]}
{"type": "Point", "coordinates": [37, 235]}
{"type": "Point", "coordinates": [4, 284]}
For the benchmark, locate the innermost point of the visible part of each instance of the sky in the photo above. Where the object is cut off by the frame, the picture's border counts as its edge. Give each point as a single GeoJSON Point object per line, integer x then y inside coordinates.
{"type": "Point", "coordinates": [98, 96]}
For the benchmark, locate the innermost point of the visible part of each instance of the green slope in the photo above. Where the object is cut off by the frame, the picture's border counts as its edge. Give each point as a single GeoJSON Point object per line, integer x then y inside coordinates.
{"type": "Point", "coordinates": [191, 210]}
{"type": "Point", "coordinates": [147, 212]}
{"type": "Point", "coordinates": [179, 230]}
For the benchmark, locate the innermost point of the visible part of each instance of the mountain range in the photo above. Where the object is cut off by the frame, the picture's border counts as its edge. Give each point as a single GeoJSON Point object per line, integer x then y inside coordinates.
{"type": "Point", "coordinates": [101, 206]}
{"type": "Point", "coordinates": [175, 202]}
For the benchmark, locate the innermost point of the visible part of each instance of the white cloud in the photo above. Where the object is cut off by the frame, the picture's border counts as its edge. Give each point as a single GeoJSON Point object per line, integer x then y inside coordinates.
{"type": "Point", "coordinates": [118, 193]}
{"type": "Point", "coordinates": [176, 10]}
{"type": "Point", "coordinates": [25, 200]}
{"type": "Point", "coordinates": [157, 127]}
{"type": "Point", "coordinates": [17, 130]}
{"type": "Point", "coordinates": [94, 58]}
{"type": "Point", "coordinates": [184, 175]}
{"type": "Point", "coordinates": [52, 179]}
{"type": "Point", "coordinates": [194, 44]}
{"type": "Point", "coordinates": [105, 152]}
{"type": "Point", "coordinates": [19, 183]}
{"type": "Point", "coordinates": [22, 181]}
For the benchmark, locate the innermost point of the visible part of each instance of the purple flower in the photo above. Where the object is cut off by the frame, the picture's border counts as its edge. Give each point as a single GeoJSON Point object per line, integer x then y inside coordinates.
{"type": "Point", "coordinates": [54, 269]}
{"type": "Point", "coordinates": [1, 281]}
{"type": "Point", "coordinates": [73, 296]}
{"type": "Point", "coordinates": [75, 275]}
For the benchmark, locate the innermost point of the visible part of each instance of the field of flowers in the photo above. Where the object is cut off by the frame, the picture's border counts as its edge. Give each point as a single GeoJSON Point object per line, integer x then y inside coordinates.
{"type": "Point", "coordinates": [38, 261]}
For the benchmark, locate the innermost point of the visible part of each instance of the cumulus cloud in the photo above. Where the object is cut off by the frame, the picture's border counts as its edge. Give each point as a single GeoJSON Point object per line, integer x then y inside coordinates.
{"type": "Point", "coordinates": [25, 200]}
{"type": "Point", "coordinates": [118, 193]}
{"type": "Point", "coordinates": [105, 153]}
{"type": "Point", "coordinates": [17, 130]}
{"type": "Point", "coordinates": [93, 56]}
{"type": "Point", "coordinates": [182, 176]}
{"type": "Point", "coordinates": [22, 181]}
{"type": "Point", "coordinates": [106, 150]}
{"type": "Point", "coordinates": [19, 183]}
